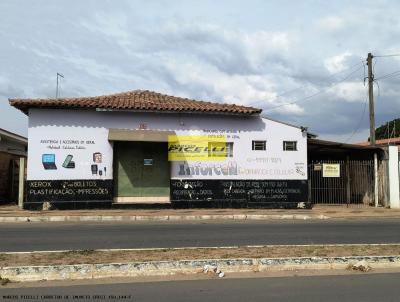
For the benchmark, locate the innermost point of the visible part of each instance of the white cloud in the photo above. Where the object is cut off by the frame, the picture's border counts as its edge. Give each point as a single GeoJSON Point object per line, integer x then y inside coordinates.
{"type": "Point", "coordinates": [294, 109]}
{"type": "Point", "coordinates": [337, 63]}
{"type": "Point", "coordinates": [113, 25]}
{"type": "Point", "coordinates": [214, 84]}
{"type": "Point", "coordinates": [331, 23]}
{"type": "Point", "coordinates": [208, 52]}
{"type": "Point", "coordinates": [349, 91]}
{"type": "Point", "coordinates": [259, 45]}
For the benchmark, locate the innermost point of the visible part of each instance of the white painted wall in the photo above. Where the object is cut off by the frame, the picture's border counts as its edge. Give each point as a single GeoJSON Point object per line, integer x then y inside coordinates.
{"type": "Point", "coordinates": [85, 126]}
{"type": "Point", "coordinates": [394, 198]}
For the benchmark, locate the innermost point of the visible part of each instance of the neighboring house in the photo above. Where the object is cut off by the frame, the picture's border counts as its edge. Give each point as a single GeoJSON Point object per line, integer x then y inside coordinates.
{"type": "Point", "coordinates": [341, 173]}
{"type": "Point", "coordinates": [12, 147]}
{"type": "Point", "coordinates": [143, 147]}
{"type": "Point", "coordinates": [395, 141]}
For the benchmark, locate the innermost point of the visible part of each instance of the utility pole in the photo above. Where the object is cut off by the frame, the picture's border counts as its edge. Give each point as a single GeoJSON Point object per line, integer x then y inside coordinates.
{"type": "Point", "coordinates": [58, 75]}
{"type": "Point", "coordinates": [372, 125]}
{"type": "Point", "coordinates": [371, 100]}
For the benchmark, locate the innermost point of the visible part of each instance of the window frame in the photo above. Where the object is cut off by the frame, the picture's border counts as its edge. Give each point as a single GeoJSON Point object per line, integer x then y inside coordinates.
{"type": "Point", "coordinates": [229, 149]}
{"type": "Point", "coordinates": [293, 145]}
{"type": "Point", "coordinates": [254, 144]}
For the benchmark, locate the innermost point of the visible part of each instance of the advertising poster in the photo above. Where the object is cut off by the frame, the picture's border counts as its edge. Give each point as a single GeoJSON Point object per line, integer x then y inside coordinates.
{"type": "Point", "coordinates": [330, 170]}
{"type": "Point", "coordinates": [69, 163]}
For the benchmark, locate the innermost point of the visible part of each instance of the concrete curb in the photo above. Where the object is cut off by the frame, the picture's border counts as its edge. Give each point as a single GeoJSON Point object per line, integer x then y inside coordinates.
{"type": "Point", "coordinates": [5, 219]}
{"type": "Point", "coordinates": [163, 268]}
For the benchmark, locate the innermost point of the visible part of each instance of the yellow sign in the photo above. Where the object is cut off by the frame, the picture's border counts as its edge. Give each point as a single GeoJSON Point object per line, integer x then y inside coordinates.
{"type": "Point", "coordinates": [196, 148]}
{"type": "Point", "coordinates": [330, 170]}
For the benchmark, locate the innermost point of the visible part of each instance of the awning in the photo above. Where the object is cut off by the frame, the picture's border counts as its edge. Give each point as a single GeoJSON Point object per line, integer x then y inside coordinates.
{"type": "Point", "coordinates": [139, 135]}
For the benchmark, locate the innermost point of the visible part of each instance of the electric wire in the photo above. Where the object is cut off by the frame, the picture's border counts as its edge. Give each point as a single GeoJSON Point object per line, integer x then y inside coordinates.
{"type": "Point", "coordinates": [315, 94]}
{"type": "Point", "coordinates": [388, 75]}
{"type": "Point", "coordinates": [357, 128]}
{"type": "Point", "coordinates": [386, 56]}
{"type": "Point", "coordinates": [308, 84]}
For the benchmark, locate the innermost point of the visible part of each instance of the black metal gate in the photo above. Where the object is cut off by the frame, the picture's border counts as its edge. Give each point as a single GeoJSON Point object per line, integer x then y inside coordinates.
{"type": "Point", "coordinates": [341, 182]}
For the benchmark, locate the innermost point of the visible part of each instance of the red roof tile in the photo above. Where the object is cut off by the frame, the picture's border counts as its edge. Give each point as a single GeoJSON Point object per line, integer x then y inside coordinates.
{"type": "Point", "coordinates": [141, 100]}
{"type": "Point", "coordinates": [386, 141]}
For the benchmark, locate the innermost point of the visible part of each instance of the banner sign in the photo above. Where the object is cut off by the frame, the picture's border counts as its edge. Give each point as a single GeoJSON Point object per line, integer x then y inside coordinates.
{"type": "Point", "coordinates": [197, 148]}
{"type": "Point", "coordinates": [330, 170]}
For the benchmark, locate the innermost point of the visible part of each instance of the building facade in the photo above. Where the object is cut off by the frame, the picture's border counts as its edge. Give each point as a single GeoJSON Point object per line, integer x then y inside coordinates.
{"type": "Point", "coordinates": [146, 147]}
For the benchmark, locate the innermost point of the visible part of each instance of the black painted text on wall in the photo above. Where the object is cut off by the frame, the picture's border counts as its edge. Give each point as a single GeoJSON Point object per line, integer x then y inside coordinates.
{"type": "Point", "coordinates": [269, 193]}
{"type": "Point", "coordinates": [69, 190]}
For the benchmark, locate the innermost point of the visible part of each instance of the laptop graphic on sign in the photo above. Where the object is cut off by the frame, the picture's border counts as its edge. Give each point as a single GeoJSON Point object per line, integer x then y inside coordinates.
{"type": "Point", "coordinates": [49, 161]}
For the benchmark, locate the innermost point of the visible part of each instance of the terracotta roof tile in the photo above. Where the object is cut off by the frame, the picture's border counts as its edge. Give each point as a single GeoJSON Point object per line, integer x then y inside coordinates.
{"type": "Point", "coordinates": [141, 100]}
{"type": "Point", "coordinates": [386, 141]}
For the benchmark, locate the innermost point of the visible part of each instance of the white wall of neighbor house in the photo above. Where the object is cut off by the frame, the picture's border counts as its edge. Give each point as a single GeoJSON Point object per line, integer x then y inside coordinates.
{"type": "Point", "coordinates": [81, 133]}
{"type": "Point", "coordinates": [394, 198]}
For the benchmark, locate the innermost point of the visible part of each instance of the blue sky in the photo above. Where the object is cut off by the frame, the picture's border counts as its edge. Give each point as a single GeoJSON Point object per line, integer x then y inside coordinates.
{"type": "Point", "coordinates": [268, 54]}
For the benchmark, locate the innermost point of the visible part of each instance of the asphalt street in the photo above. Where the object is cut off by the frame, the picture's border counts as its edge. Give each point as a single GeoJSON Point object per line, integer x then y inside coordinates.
{"type": "Point", "coordinates": [368, 287]}
{"type": "Point", "coordinates": [62, 236]}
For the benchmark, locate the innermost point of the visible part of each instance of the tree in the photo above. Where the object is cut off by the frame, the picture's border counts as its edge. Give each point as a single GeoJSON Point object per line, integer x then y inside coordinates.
{"type": "Point", "coordinates": [389, 130]}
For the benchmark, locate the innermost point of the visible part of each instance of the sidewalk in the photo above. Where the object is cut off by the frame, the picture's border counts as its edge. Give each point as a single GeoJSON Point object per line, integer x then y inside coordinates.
{"type": "Point", "coordinates": [14, 214]}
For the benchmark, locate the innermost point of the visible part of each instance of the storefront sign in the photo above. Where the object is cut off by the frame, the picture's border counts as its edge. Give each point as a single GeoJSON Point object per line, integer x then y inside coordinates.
{"type": "Point", "coordinates": [330, 170]}
{"type": "Point", "coordinates": [197, 148]}
{"type": "Point", "coordinates": [69, 154]}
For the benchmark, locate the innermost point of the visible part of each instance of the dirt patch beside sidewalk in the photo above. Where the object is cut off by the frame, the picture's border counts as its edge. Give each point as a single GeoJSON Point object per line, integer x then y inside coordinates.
{"type": "Point", "coordinates": [92, 257]}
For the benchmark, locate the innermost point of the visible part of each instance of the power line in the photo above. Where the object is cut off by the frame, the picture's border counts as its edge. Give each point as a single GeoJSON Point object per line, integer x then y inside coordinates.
{"type": "Point", "coordinates": [379, 88]}
{"type": "Point", "coordinates": [388, 75]}
{"type": "Point", "coordinates": [385, 56]}
{"type": "Point", "coordinates": [304, 86]}
{"type": "Point", "coordinates": [360, 121]}
{"type": "Point", "coordinates": [315, 94]}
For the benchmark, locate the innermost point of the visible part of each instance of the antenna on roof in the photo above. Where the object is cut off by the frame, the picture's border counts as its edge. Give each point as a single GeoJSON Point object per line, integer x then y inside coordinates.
{"type": "Point", "coordinates": [58, 75]}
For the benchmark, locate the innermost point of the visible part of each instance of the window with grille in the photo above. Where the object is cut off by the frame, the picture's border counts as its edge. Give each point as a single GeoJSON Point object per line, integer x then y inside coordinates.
{"type": "Point", "coordinates": [289, 146]}
{"type": "Point", "coordinates": [259, 145]}
{"type": "Point", "coordinates": [229, 149]}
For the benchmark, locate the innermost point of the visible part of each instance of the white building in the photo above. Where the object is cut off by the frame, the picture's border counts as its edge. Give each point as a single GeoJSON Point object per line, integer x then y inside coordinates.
{"type": "Point", "coordinates": [114, 149]}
